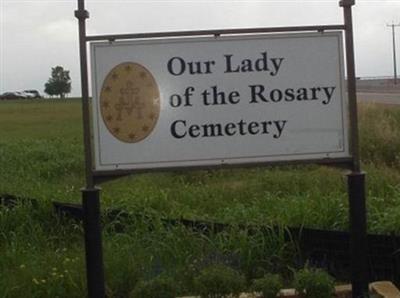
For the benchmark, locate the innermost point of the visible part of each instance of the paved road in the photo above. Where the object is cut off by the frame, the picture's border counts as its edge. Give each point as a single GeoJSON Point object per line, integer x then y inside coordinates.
{"type": "Point", "coordinates": [385, 98]}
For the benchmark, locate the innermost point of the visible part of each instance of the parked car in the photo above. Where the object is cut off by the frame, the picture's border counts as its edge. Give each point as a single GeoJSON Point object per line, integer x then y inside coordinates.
{"type": "Point", "coordinates": [13, 95]}
{"type": "Point", "coordinates": [26, 94]}
{"type": "Point", "coordinates": [32, 94]}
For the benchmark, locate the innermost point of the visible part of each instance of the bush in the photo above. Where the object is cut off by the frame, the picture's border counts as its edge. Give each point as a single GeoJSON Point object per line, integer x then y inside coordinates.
{"type": "Point", "coordinates": [219, 281]}
{"type": "Point", "coordinates": [268, 286]}
{"type": "Point", "coordinates": [156, 288]}
{"type": "Point", "coordinates": [314, 283]}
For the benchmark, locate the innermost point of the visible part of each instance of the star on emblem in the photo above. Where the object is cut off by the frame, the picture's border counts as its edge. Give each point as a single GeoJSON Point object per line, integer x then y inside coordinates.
{"type": "Point", "coordinates": [107, 89]}
{"type": "Point", "coordinates": [105, 104]}
{"type": "Point", "coordinates": [114, 76]}
{"type": "Point", "coordinates": [109, 118]}
{"type": "Point", "coordinates": [128, 68]}
{"type": "Point", "coordinates": [132, 136]}
{"type": "Point", "coordinates": [145, 128]}
{"type": "Point", "coordinates": [142, 75]}
{"type": "Point", "coordinates": [116, 130]}
{"type": "Point", "coordinates": [152, 116]}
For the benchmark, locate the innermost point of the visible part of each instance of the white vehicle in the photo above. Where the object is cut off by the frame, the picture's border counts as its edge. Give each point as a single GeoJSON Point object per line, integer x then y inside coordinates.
{"type": "Point", "coordinates": [32, 94]}
{"type": "Point", "coordinates": [13, 95]}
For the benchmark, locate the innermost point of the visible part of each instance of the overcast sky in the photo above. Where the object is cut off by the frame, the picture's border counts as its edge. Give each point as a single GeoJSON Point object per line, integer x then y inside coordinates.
{"type": "Point", "coordinates": [37, 35]}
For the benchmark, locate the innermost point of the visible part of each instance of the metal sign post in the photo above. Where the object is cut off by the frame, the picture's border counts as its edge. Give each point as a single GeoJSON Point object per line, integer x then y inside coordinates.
{"type": "Point", "coordinates": [356, 180]}
{"type": "Point", "coordinates": [94, 175]}
{"type": "Point", "coordinates": [90, 194]}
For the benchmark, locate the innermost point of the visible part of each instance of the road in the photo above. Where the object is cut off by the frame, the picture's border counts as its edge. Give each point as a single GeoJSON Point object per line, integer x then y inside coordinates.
{"type": "Point", "coordinates": [385, 98]}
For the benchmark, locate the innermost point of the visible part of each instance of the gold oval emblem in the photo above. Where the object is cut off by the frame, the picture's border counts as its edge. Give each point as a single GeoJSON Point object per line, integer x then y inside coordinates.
{"type": "Point", "coordinates": [130, 102]}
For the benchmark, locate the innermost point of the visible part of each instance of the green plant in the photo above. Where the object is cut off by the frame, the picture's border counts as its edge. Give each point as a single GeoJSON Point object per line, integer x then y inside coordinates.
{"type": "Point", "coordinates": [218, 281]}
{"type": "Point", "coordinates": [314, 283]}
{"type": "Point", "coordinates": [124, 271]}
{"type": "Point", "coordinates": [268, 286]}
{"type": "Point", "coordinates": [41, 158]}
{"type": "Point", "coordinates": [59, 83]}
{"type": "Point", "coordinates": [160, 287]}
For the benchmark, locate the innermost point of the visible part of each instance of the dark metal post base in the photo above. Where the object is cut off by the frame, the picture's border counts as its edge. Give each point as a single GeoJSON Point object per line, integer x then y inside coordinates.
{"type": "Point", "coordinates": [93, 246]}
{"type": "Point", "coordinates": [358, 234]}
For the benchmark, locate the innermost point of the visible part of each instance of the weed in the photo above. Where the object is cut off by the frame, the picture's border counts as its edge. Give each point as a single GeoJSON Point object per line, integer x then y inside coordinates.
{"type": "Point", "coordinates": [314, 283]}
{"type": "Point", "coordinates": [159, 287]}
{"type": "Point", "coordinates": [219, 281]}
{"type": "Point", "coordinates": [269, 285]}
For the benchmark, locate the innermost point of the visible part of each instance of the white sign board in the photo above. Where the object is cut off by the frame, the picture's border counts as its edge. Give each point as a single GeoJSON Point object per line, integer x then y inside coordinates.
{"type": "Point", "coordinates": [209, 101]}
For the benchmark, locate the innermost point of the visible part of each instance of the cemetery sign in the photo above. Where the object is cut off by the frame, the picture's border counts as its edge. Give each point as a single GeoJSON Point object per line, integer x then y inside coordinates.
{"type": "Point", "coordinates": [212, 101]}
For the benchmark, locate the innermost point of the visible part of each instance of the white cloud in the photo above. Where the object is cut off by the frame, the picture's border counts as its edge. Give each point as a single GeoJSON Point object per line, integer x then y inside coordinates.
{"type": "Point", "coordinates": [36, 35]}
{"type": "Point", "coordinates": [61, 31]}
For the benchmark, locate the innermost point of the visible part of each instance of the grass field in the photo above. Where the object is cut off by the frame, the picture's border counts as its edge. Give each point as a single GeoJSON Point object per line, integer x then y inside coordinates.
{"type": "Point", "coordinates": [41, 156]}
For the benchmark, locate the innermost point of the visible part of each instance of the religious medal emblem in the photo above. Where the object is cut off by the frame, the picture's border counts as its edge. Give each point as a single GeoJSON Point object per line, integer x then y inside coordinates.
{"type": "Point", "coordinates": [130, 102]}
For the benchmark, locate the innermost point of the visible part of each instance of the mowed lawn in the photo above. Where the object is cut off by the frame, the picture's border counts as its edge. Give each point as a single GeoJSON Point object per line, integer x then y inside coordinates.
{"type": "Point", "coordinates": [41, 157]}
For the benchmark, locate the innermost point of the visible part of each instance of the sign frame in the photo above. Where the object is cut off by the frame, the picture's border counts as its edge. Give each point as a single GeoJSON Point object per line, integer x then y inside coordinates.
{"type": "Point", "coordinates": [212, 159]}
{"type": "Point", "coordinates": [356, 179]}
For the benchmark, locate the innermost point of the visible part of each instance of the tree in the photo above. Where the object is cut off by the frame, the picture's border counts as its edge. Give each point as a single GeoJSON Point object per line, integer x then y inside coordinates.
{"type": "Point", "coordinates": [59, 83]}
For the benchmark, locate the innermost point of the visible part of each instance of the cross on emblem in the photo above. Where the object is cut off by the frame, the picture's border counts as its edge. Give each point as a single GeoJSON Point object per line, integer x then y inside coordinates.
{"type": "Point", "coordinates": [129, 101]}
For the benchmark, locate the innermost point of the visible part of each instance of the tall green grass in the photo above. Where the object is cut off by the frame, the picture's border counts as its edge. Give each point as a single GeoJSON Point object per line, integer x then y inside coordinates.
{"type": "Point", "coordinates": [41, 156]}
{"type": "Point", "coordinates": [380, 134]}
